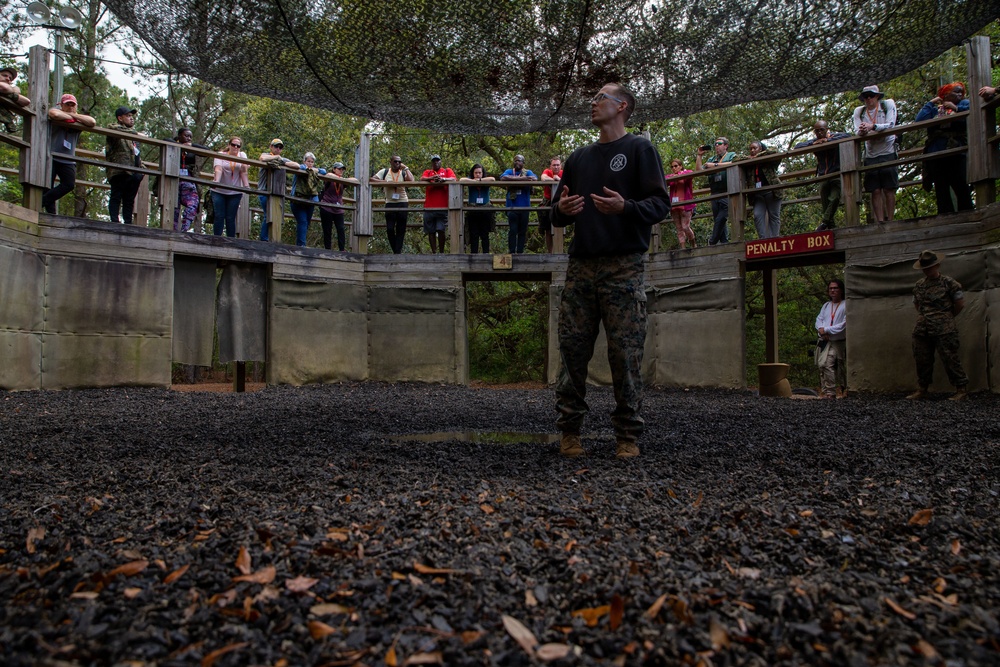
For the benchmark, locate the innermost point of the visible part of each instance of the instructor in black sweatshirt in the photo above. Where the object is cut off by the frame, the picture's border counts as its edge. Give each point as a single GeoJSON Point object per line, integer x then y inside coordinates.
{"type": "Point", "coordinates": [614, 192]}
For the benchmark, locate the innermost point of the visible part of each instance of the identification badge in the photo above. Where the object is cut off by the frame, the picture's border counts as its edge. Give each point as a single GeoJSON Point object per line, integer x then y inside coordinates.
{"type": "Point", "coordinates": [184, 172]}
{"type": "Point", "coordinates": [135, 150]}
{"type": "Point", "coordinates": [67, 144]}
{"type": "Point", "coordinates": [395, 195]}
{"type": "Point", "coordinates": [757, 184]}
{"type": "Point", "coordinates": [479, 200]}
{"type": "Point", "coordinates": [675, 199]}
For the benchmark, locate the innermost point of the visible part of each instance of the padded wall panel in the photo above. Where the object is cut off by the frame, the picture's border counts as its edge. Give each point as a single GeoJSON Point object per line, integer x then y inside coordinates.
{"type": "Point", "coordinates": [697, 348]}
{"type": "Point", "coordinates": [22, 288]}
{"type": "Point", "coordinates": [105, 360]}
{"type": "Point", "coordinates": [319, 333]}
{"type": "Point", "coordinates": [412, 334]}
{"type": "Point", "coordinates": [193, 330]}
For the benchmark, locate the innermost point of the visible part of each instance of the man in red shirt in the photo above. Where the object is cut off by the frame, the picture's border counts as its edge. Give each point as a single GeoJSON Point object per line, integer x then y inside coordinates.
{"type": "Point", "coordinates": [553, 173]}
{"type": "Point", "coordinates": [436, 221]}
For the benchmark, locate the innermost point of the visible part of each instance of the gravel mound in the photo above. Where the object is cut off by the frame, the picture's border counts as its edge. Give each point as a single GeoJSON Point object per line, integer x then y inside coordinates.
{"type": "Point", "coordinates": [294, 526]}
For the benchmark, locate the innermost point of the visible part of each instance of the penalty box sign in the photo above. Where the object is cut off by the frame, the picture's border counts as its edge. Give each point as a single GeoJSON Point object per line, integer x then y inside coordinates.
{"type": "Point", "coordinates": [800, 244]}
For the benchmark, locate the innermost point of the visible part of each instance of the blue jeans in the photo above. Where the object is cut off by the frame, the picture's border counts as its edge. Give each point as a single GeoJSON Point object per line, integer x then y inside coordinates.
{"type": "Point", "coordinates": [303, 214]}
{"type": "Point", "coordinates": [225, 207]}
{"type": "Point", "coordinates": [517, 230]}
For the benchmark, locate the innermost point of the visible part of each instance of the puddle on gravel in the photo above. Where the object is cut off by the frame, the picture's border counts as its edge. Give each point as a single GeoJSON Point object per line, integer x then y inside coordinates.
{"type": "Point", "coordinates": [479, 437]}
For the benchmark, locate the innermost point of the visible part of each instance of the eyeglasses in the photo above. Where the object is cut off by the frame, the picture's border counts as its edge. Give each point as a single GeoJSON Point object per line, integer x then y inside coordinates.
{"type": "Point", "coordinates": [235, 145]}
{"type": "Point", "coordinates": [278, 146]}
{"type": "Point", "coordinates": [865, 96]}
{"type": "Point", "coordinates": [721, 143]}
{"type": "Point", "coordinates": [396, 161]}
{"type": "Point", "coordinates": [599, 97]}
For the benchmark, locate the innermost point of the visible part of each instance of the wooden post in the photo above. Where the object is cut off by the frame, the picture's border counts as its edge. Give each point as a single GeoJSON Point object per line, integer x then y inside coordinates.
{"type": "Point", "coordinates": [850, 183]}
{"type": "Point", "coordinates": [770, 315]}
{"type": "Point", "coordinates": [141, 213]}
{"type": "Point", "coordinates": [455, 228]}
{"type": "Point", "coordinates": [984, 161]}
{"type": "Point", "coordinates": [243, 226]}
{"type": "Point", "coordinates": [240, 374]}
{"type": "Point", "coordinates": [170, 169]}
{"type": "Point", "coordinates": [276, 204]}
{"type": "Point", "coordinates": [362, 229]}
{"type": "Point", "coordinates": [36, 163]}
{"type": "Point", "coordinates": [737, 202]}
{"type": "Point", "coordinates": [558, 240]}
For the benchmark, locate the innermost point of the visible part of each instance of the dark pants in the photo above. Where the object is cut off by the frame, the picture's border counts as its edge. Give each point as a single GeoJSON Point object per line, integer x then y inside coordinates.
{"type": "Point", "coordinates": [517, 231]}
{"type": "Point", "coordinates": [720, 212]}
{"type": "Point", "coordinates": [124, 188]}
{"type": "Point", "coordinates": [328, 219]}
{"type": "Point", "coordinates": [480, 226]}
{"type": "Point", "coordinates": [395, 225]}
{"type": "Point", "coordinates": [608, 290]}
{"type": "Point", "coordinates": [829, 200]}
{"type": "Point", "coordinates": [65, 172]}
{"type": "Point", "coordinates": [950, 174]}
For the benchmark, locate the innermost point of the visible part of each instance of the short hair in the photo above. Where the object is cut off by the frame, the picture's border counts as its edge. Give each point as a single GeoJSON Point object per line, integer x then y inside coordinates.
{"type": "Point", "coordinates": [840, 284]}
{"type": "Point", "coordinates": [181, 130]}
{"type": "Point", "coordinates": [555, 157]}
{"type": "Point", "coordinates": [472, 171]}
{"type": "Point", "coordinates": [308, 155]}
{"type": "Point", "coordinates": [627, 96]}
{"type": "Point", "coordinates": [723, 140]}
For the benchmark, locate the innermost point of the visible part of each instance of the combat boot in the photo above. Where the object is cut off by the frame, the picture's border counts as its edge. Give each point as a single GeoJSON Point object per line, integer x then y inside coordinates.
{"type": "Point", "coordinates": [569, 445]}
{"type": "Point", "coordinates": [960, 395]}
{"type": "Point", "coordinates": [918, 395]}
{"type": "Point", "coordinates": [626, 449]}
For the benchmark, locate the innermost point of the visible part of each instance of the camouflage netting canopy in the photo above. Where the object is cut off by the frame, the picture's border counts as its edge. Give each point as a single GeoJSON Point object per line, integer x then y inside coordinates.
{"type": "Point", "coordinates": [507, 67]}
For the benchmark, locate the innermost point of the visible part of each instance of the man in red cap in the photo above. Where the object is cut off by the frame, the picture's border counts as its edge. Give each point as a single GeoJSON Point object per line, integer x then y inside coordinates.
{"type": "Point", "coordinates": [63, 142]}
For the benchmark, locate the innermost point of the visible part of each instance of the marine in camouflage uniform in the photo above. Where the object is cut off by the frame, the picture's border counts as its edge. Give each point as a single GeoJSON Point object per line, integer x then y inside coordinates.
{"type": "Point", "coordinates": [938, 299]}
{"type": "Point", "coordinates": [612, 192]}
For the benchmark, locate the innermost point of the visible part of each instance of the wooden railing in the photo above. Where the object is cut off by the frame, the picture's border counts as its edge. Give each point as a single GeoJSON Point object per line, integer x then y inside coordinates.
{"type": "Point", "coordinates": [34, 169]}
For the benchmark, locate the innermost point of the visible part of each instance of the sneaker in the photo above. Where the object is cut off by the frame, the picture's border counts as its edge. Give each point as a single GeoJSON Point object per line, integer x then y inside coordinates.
{"type": "Point", "coordinates": [569, 445]}
{"type": "Point", "coordinates": [918, 395]}
{"type": "Point", "coordinates": [626, 449]}
{"type": "Point", "coordinates": [960, 395]}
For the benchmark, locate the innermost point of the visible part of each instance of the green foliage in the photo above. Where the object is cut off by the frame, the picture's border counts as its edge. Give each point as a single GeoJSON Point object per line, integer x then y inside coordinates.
{"type": "Point", "coordinates": [508, 330]}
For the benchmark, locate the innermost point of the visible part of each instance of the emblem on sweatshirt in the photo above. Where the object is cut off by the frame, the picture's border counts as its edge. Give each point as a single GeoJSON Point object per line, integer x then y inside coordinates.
{"type": "Point", "coordinates": [618, 162]}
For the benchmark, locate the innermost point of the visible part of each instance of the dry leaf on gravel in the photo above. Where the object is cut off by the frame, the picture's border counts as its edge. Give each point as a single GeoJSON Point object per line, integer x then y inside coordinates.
{"type": "Point", "coordinates": [300, 584]}
{"type": "Point", "coordinates": [176, 574]}
{"type": "Point", "coordinates": [35, 535]}
{"type": "Point", "coordinates": [521, 634]}
{"type": "Point", "coordinates": [899, 610]}
{"type": "Point", "coordinates": [654, 608]}
{"type": "Point", "coordinates": [210, 659]}
{"type": "Point", "coordinates": [593, 615]}
{"type": "Point", "coordinates": [550, 652]}
{"type": "Point", "coordinates": [129, 569]}
{"type": "Point", "coordinates": [424, 658]}
{"type": "Point", "coordinates": [426, 569]}
{"type": "Point", "coordinates": [319, 629]}
{"type": "Point", "coordinates": [921, 518]}
{"type": "Point", "coordinates": [617, 611]}
{"type": "Point", "coordinates": [265, 575]}
{"type": "Point", "coordinates": [719, 635]}
{"type": "Point", "coordinates": [243, 561]}
{"type": "Point", "coordinates": [329, 608]}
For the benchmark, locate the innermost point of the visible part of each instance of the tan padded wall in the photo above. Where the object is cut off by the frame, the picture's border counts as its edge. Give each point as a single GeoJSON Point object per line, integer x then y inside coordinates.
{"type": "Point", "coordinates": [412, 334]}
{"type": "Point", "coordinates": [115, 331]}
{"type": "Point", "coordinates": [319, 333]}
{"type": "Point", "coordinates": [22, 298]}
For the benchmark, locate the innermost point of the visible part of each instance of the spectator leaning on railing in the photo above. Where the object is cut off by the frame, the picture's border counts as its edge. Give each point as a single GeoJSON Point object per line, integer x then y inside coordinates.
{"type": "Point", "coordinates": [8, 119]}
{"type": "Point", "coordinates": [827, 162]}
{"type": "Point", "coordinates": [767, 204]}
{"type": "Point", "coordinates": [63, 142]}
{"type": "Point", "coordinates": [124, 183]}
{"type": "Point", "coordinates": [949, 173]}
{"type": "Point", "coordinates": [874, 116]}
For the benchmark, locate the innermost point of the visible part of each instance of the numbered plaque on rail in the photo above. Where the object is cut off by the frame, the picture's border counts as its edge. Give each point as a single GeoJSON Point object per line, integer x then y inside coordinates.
{"type": "Point", "coordinates": [503, 262]}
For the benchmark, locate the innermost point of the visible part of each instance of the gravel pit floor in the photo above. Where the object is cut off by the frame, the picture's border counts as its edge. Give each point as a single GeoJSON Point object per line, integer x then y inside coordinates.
{"type": "Point", "coordinates": [291, 526]}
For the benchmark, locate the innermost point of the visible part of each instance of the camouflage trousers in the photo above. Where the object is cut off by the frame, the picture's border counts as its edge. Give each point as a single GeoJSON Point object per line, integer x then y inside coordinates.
{"type": "Point", "coordinates": [608, 290]}
{"type": "Point", "coordinates": [947, 348]}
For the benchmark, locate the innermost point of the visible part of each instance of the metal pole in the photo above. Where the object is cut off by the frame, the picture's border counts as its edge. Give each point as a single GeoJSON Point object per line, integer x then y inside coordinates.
{"type": "Point", "coordinates": [57, 78]}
